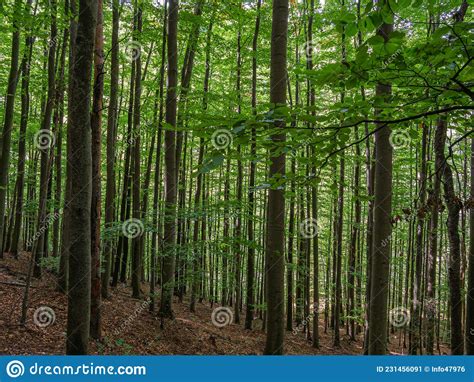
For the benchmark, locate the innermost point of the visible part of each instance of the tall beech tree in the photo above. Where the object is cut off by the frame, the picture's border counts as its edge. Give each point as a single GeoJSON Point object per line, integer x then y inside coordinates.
{"type": "Point", "coordinates": [79, 298]}
{"type": "Point", "coordinates": [275, 248]}
{"type": "Point", "coordinates": [169, 238]}
{"type": "Point", "coordinates": [8, 118]}
{"type": "Point", "coordinates": [112, 114]}
{"type": "Point", "coordinates": [136, 158]}
{"type": "Point", "coordinates": [470, 287]}
{"type": "Point", "coordinates": [96, 136]}
{"type": "Point", "coordinates": [382, 232]}
{"type": "Point", "coordinates": [184, 198]}
{"type": "Point", "coordinates": [25, 106]}
{"type": "Point", "coordinates": [251, 193]}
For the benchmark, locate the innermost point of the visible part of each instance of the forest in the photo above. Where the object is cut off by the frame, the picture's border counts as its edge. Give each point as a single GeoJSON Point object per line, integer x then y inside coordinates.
{"type": "Point", "coordinates": [237, 177]}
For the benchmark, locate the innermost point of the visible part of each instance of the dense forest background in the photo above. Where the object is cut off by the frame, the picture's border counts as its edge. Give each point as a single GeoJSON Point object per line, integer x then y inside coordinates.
{"type": "Point", "coordinates": [237, 177]}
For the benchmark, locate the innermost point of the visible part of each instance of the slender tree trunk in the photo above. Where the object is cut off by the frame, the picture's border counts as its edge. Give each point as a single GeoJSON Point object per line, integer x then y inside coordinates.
{"type": "Point", "coordinates": [136, 153]}
{"type": "Point", "coordinates": [378, 315]}
{"type": "Point", "coordinates": [45, 142]}
{"type": "Point", "coordinates": [96, 134]}
{"type": "Point", "coordinates": [454, 264]}
{"type": "Point", "coordinates": [8, 119]}
{"type": "Point", "coordinates": [81, 175]}
{"type": "Point", "coordinates": [122, 247]}
{"type": "Point", "coordinates": [25, 106]}
{"type": "Point", "coordinates": [340, 222]}
{"type": "Point", "coordinates": [354, 247]}
{"type": "Point", "coordinates": [289, 272]}
{"type": "Point", "coordinates": [238, 227]}
{"type": "Point", "coordinates": [157, 175]}
{"type": "Point", "coordinates": [275, 248]}
{"type": "Point", "coordinates": [314, 190]}
{"type": "Point", "coordinates": [415, 344]}
{"type": "Point", "coordinates": [166, 310]}
{"type": "Point", "coordinates": [251, 192]}
{"type": "Point", "coordinates": [470, 278]}
{"type": "Point", "coordinates": [58, 131]}
{"type": "Point", "coordinates": [196, 269]}
{"type": "Point", "coordinates": [225, 287]}
{"type": "Point", "coordinates": [111, 139]}
{"type": "Point", "coordinates": [431, 303]}
{"type": "Point", "coordinates": [340, 218]}
{"type": "Point", "coordinates": [63, 277]}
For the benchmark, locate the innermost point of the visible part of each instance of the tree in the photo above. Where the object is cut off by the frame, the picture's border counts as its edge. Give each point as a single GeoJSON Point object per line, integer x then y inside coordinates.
{"type": "Point", "coordinates": [470, 287]}
{"type": "Point", "coordinates": [39, 246]}
{"type": "Point", "coordinates": [81, 191]}
{"type": "Point", "coordinates": [275, 248]}
{"type": "Point", "coordinates": [25, 103]}
{"type": "Point", "coordinates": [415, 343]}
{"type": "Point", "coordinates": [8, 120]}
{"type": "Point", "coordinates": [96, 136]}
{"type": "Point", "coordinates": [137, 214]}
{"type": "Point", "coordinates": [111, 139]}
{"type": "Point", "coordinates": [366, 236]}
{"type": "Point", "coordinates": [166, 310]}
{"type": "Point", "coordinates": [382, 218]}
{"type": "Point", "coordinates": [251, 192]}
{"type": "Point", "coordinates": [454, 206]}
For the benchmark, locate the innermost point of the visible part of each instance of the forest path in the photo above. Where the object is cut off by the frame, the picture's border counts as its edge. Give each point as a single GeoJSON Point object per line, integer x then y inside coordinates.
{"type": "Point", "coordinates": [129, 328]}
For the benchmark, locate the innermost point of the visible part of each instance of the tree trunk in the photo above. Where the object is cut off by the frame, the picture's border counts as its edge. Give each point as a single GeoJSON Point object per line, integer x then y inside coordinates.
{"type": "Point", "coordinates": [382, 223]}
{"type": "Point", "coordinates": [166, 310]}
{"type": "Point", "coordinates": [45, 142]}
{"type": "Point", "coordinates": [137, 215]}
{"type": "Point", "coordinates": [8, 119]}
{"type": "Point", "coordinates": [81, 174]}
{"type": "Point", "coordinates": [238, 226]}
{"type": "Point", "coordinates": [354, 247]}
{"type": "Point", "coordinates": [275, 246]}
{"type": "Point", "coordinates": [470, 278]}
{"type": "Point", "coordinates": [340, 222]}
{"type": "Point", "coordinates": [431, 303]}
{"type": "Point", "coordinates": [415, 344]}
{"type": "Point", "coordinates": [251, 186]}
{"type": "Point", "coordinates": [111, 139]}
{"type": "Point", "coordinates": [454, 264]}
{"type": "Point", "coordinates": [63, 277]}
{"type": "Point", "coordinates": [96, 134]}
{"type": "Point", "coordinates": [25, 106]}
{"type": "Point", "coordinates": [157, 175]}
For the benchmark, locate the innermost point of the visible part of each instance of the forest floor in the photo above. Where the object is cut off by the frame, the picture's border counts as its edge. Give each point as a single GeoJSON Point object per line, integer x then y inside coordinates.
{"type": "Point", "coordinates": [129, 328]}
